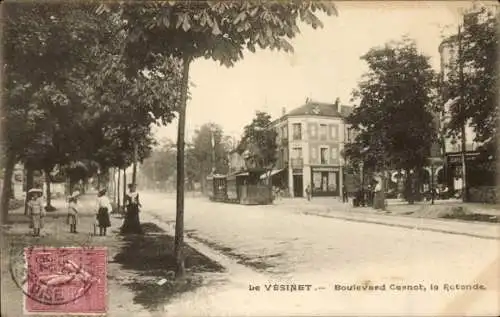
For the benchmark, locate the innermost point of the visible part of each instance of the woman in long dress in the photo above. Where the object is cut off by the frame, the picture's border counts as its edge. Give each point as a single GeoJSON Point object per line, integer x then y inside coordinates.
{"type": "Point", "coordinates": [131, 224]}
{"type": "Point", "coordinates": [36, 210]}
{"type": "Point", "coordinates": [73, 212]}
{"type": "Point", "coordinates": [103, 209]}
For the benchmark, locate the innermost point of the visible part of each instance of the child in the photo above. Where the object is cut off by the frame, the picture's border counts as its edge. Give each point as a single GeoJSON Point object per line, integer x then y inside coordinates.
{"type": "Point", "coordinates": [36, 210]}
{"type": "Point", "coordinates": [73, 212]}
{"type": "Point", "coordinates": [103, 209]}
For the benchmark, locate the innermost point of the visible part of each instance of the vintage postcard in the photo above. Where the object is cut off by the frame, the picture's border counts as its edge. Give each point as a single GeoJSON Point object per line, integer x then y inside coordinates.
{"type": "Point", "coordinates": [249, 158]}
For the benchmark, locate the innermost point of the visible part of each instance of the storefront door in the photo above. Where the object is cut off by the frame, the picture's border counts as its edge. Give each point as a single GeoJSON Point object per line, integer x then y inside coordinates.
{"type": "Point", "coordinates": [325, 183]}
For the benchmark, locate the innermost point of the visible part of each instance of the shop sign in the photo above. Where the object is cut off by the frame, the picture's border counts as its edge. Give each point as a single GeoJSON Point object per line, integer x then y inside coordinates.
{"type": "Point", "coordinates": [457, 158]}
{"type": "Point", "coordinates": [325, 169]}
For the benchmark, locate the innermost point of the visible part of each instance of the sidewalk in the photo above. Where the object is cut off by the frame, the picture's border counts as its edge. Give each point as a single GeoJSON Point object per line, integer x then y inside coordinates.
{"type": "Point", "coordinates": [136, 263]}
{"type": "Point", "coordinates": [17, 235]}
{"type": "Point", "coordinates": [420, 216]}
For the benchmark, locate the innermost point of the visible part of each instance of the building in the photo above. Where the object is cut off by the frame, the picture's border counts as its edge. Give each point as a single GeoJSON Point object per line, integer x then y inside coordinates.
{"type": "Point", "coordinates": [310, 141]}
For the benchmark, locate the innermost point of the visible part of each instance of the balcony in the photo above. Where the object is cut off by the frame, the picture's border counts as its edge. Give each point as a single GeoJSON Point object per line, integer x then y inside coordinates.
{"type": "Point", "coordinates": [297, 162]}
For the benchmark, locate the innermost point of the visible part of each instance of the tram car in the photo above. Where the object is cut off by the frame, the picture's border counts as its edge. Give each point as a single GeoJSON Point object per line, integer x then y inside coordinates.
{"type": "Point", "coordinates": [217, 187]}
{"type": "Point", "coordinates": [245, 188]}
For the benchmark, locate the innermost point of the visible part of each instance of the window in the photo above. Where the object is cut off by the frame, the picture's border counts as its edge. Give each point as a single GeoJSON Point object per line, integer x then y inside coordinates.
{"type": "Point", "coordinates": [334, 153]}
{"type": "Point", "coordinates": [322, 131]}
{"type": "Point", "coordinates": [297, 152]}
{"type": "Point", "coordinates": [314, 130]}
{"type": "Point", "coordinates": [324, 155]}
{"type": "Point", "coordinates": [333, 132]}
{"type": "Point", "coordinates": [314, 155]}
{"type": "Point", "coordinates": [284, 133]}
{"type": "Point", "coordinates": [297, 131]}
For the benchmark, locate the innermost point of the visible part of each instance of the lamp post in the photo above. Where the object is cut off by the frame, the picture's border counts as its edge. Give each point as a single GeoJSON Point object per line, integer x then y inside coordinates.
{"type": "Point", "coordinates": [461, 105]}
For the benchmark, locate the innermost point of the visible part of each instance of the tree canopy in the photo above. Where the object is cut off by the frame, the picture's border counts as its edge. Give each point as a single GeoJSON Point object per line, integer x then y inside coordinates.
{"type": "Point", "coordinates": [479, 56]}
{"type": "Point", "coordinates": [394, 116]}
{"type": "Point", "coordinates": [259, 141]}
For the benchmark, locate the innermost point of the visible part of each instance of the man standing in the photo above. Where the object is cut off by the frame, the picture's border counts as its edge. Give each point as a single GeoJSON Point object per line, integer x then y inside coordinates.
{"type": "Point", "coordinates": [308, 192]}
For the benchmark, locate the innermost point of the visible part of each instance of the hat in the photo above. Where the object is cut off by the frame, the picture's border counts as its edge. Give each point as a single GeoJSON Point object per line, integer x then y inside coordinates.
{"type": "Point", "coordinates": [102, 191]}
{"type": "Point", "coordinates": [35, 190]}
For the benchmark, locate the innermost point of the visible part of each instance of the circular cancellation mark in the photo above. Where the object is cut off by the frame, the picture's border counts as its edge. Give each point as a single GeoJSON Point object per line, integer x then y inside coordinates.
{"type": "Point", "coordinates": [49, 275]}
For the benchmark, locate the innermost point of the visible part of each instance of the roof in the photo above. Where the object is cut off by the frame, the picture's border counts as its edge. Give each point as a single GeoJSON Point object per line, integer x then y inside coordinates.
{"type": "Point", "coordinates": [314, 108]}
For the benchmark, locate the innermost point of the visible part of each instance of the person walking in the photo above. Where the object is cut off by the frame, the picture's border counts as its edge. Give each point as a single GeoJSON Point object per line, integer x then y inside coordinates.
{"type": "Point", "coordinates": [103, 209]}
{"type": "Point", "coordinates": [36, 210]}
{"type": "Point", "coordinates": [345, 194]}
{"type": "Point", "coordinates": [378, 201]}
{"type": "Point", "coordinates": [308, 192]}
{"type": "Point", "coordinates": [73, 211]}
{"type": "Point", "coordinates": [131, 224]}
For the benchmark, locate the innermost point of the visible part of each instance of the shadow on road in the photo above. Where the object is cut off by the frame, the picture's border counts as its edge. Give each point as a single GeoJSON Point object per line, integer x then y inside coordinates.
{"type": "Point", "coordinates": [151, 256]}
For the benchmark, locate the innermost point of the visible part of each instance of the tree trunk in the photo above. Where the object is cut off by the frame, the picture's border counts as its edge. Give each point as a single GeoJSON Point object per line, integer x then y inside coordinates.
{"type": "Point", "coordinates": [179, 217]}
{"type": "Point", "coordinates": [124, 186]}
{"type": "Point", "coordinates": [117, 192]}
{"type": "Point", "coordinates": [48, 192]}
{"type": "Point", "coordinates": [6, 187]}
{"type": "Point", "coordinates": [134, 169]}
{"type": "Point", "coordinates": [98, 180]}
{"type": "Point", "coordinates": [29, 185]}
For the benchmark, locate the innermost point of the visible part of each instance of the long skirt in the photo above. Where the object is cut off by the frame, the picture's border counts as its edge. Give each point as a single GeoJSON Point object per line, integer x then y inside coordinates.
{"type": "Point", "coordinates": [36, 221]}
{"type": "Point", "coordinates": [72, 219]}
{"type": "Point", "coordinates": [103, 218]}
{"type": "Point", "coordinates": [378, 201]}
{"type": "Point", "coordinates": [131, 223]}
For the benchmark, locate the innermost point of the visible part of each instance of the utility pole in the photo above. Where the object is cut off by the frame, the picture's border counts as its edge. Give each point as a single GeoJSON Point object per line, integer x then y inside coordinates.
{"type": "Point", "coordinates": [212, 140]}
{"type": "Point", "coordinates": [461, 105]}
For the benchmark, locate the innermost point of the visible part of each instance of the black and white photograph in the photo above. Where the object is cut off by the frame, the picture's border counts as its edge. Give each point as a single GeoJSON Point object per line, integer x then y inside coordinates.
{"type": "Point", "coordinates": [249, 158]}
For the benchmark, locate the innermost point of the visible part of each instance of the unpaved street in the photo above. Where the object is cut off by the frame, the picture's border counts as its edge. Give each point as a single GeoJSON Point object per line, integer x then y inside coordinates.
{"type": "Point", "coordinates": [284, 247]}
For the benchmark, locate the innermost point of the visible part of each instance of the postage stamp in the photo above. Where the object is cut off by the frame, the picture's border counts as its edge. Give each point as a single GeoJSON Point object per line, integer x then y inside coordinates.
{"type": "Point", "coordinates": [62, 280]}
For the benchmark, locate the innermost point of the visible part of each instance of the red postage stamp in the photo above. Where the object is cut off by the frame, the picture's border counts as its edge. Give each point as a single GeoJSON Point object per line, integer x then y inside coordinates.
{"type": "Point", "coordinates": [65, 280]}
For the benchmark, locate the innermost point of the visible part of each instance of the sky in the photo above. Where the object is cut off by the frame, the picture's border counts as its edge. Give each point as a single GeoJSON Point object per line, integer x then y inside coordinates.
{"type": "Point", "coordinates": [325, 64]}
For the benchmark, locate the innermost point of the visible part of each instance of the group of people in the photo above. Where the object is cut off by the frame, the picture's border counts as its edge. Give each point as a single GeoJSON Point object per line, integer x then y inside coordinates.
{"type": "Point", "coordinates": [37, 213]}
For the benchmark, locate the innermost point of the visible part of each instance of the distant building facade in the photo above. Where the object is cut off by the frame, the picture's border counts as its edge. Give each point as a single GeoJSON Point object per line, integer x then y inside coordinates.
{"type": "Point", "coordinates": [310, 141]}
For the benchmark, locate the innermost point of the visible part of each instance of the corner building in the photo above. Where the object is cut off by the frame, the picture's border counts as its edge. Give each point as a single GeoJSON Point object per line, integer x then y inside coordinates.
{"type": "Point", "coordinates": [310, 142]}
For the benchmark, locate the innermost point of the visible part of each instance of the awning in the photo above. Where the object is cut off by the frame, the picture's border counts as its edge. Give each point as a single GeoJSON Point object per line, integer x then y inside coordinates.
{"type": "Point", "coordinates": [273, 172]}
{"type": "Point", "coordinates": [232, 176]}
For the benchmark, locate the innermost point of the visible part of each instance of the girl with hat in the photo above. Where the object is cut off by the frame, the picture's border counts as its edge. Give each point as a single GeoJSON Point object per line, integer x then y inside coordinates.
{"type": "Point", "coordinates": [103, 209]}
{"type": "Point", "coordinates": [36, 210]}
{"type": "Point", "coordinates": [73, 211]}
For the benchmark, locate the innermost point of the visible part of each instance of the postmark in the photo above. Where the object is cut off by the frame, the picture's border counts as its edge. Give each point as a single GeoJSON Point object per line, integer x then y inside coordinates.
{"type": "Point", "coordinates": [65, 280]}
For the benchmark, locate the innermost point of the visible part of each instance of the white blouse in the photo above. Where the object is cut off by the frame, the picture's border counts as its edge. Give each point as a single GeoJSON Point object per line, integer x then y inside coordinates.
{"type": "Point", "coordinates": [73, 208]}
{"type": "Point", "coordinates": [103, 202]}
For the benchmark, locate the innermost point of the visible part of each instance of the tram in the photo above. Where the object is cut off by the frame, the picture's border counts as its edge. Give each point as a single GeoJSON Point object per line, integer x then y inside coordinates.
{"type": "Point", "coordinates": [244, 187]}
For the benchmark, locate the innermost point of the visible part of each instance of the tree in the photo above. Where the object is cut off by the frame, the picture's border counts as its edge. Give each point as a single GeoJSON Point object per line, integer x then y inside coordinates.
{"type": "Point", "coordinates": [259, 142]}
{"type": "Point", "coordinates": [42, 43]}
{"type": "Point", "coordinates": [209, 153]}
{"type": "Point", "coordinates": [479, 43]}
{"type": "Point", "coordinates": [394, 116]}
{"type": "Point", "coordinates": [160, 166]}
{"type": "Point", "coordinates": [58, 58]}
{"type": "Point", "coordinates": [212, 29]}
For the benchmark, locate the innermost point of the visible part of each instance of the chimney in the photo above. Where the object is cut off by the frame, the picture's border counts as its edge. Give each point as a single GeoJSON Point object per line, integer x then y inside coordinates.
{"type": "Point", "coordinates": [336, 105]}
{"type": "Point", "coordinates": [283, 111]}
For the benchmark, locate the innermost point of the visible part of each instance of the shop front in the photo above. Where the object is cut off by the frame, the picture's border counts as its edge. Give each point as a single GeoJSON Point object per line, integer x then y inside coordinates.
{"type": "Point", "coordinates": [325, 181]}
